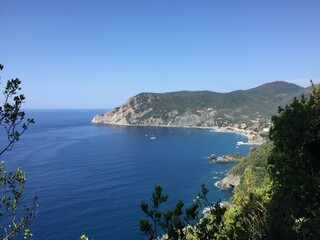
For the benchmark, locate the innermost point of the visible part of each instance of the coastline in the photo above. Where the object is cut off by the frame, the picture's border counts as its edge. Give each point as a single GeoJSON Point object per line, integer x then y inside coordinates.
{"type": "Point", "coordinates": [253, 138]}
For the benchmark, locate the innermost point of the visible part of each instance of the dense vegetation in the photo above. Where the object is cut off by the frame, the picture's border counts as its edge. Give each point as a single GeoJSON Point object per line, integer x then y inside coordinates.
{"type": "Point", "coordinates": [231, 108]}
{"type": "Point", "coordinates": [256, 160]}
{"type": "Point", "coordinates": [294, 166]}
{"type": "Point", "coordinates": [279, 194]}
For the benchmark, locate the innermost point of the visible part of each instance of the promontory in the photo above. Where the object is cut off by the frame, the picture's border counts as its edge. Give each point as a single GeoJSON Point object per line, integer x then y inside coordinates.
{"type": "Point", "coordinates": [247, 110]}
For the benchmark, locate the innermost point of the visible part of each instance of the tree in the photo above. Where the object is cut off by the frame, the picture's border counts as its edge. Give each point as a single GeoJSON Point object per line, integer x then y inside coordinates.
{"type": "Point", "coordinates": [169, 222]}
{"type": "Point", "coordinates": [15, 219]}
{"type": "Point", "coordinates": [246, 215]}
{"type": "Point", "coordinates": [294, 167]}
{"type": "Point", "coordinates": [176, 225]}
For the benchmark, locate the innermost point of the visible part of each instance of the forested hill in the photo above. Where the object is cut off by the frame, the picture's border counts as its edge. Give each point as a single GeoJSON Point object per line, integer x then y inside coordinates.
{"type": "Point", "coordinates": [203, 108]}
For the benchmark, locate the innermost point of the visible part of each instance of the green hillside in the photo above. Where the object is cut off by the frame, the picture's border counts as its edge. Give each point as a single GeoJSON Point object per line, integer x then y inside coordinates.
{"type": "Point", "coordinates": [256, 160]}
{"type": "Point", "coordinates": [246, 111]}
{"type": "Point", "coordinates": [235, 107]}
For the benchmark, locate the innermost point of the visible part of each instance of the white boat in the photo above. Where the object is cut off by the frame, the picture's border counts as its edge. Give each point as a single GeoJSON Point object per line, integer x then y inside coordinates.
{"type": "Point", "coordinates": [152, 138]}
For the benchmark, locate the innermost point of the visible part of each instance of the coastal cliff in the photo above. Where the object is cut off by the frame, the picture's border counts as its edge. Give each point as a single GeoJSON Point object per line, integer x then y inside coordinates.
{"type": "Point", "coordinates": [137, 112]}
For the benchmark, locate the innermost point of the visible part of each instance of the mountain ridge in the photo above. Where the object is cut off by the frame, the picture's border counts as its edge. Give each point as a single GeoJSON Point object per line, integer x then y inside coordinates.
{"type": "Point", "coordinates": [247, 109]}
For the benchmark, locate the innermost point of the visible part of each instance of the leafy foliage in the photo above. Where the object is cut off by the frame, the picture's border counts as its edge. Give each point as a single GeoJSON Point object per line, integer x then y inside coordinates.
{"type": "Point", "coordinates": [295, 168]}
{"type": "Point", "coordinates": [84, 237]}
{"type": "Point", "coordinates": [246, 216]}
{"type": "Point", "coordinates": [15, 219]}
{"type": "Point", "coordinates": [12, 186]}
{"type": "Point", "coordinates": [256, 160]}
{"type": "Point", "coordinates": [173, 223]}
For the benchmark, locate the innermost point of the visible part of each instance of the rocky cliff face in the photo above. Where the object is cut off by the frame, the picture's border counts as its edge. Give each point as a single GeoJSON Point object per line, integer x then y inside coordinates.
{"type": "Point", "coordinates": [127, 114]}
{"type": "Point", "coordinates": [230, 181]}
{"type": "Point", "coordinates": [137, 111]}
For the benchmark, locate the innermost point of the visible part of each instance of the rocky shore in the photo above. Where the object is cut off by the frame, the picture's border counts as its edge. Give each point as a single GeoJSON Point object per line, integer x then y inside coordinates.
{"type": "Point", "coordinates": [229, 182]}
{"type": "Point", "coordinates": [232, 157]}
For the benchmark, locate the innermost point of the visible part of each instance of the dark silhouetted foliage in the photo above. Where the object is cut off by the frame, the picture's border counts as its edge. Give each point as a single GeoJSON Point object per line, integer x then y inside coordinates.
{"type": "Point", "coordinates": [294, 167]}
{"type": "Point", "coordinates": [15, 217]}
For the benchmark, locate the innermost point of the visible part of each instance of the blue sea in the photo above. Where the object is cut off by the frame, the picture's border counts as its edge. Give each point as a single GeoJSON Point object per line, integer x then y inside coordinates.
{"type": "Point", "coordinates": [91, 179]}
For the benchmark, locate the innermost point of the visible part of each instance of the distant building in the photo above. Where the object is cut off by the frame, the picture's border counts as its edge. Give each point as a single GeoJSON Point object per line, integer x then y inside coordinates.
{"type": "Point", "coordinates": [266, 129]}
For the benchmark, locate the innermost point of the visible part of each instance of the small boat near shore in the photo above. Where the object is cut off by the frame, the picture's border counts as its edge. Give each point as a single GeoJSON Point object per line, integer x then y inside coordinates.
{"type": "Point", "coordinates": [241, 143]}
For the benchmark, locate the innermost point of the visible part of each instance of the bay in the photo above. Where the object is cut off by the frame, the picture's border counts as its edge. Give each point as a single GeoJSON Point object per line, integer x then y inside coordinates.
{"type": "Point", "coordinates": [91, 179]}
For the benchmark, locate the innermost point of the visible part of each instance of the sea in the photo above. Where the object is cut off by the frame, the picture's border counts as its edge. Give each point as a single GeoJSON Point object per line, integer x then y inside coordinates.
{"type": "Point", "coordinates": [90, 179]}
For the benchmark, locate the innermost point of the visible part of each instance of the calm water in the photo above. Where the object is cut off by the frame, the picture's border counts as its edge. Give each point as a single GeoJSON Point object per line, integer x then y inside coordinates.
{"type": "Point", "coordinates": [91, 179]}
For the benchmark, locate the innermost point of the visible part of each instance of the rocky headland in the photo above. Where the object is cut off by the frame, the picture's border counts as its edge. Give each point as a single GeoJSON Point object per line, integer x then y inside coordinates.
{"type": "Point", "coordinates": [244, 111]}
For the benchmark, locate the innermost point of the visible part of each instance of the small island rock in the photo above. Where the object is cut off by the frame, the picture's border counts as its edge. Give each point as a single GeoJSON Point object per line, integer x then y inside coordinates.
{"type": "Point", "coordinates": [232, 157]}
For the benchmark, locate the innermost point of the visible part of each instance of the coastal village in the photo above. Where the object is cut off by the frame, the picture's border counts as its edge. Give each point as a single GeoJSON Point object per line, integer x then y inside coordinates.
{"type": "Point", "coordinates": [256, 134]}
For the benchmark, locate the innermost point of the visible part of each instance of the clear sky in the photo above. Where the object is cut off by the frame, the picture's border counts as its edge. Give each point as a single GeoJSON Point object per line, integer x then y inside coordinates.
{"type": "Point", "coordinates": [96, 54]}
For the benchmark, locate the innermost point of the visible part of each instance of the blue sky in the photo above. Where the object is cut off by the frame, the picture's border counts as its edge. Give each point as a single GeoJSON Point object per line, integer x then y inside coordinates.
{"type": "Point", "coordinates": [96, 54]}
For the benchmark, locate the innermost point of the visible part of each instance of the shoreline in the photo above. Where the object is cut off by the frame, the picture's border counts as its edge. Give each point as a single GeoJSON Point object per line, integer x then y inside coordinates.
{"type": "Point", "coordinates": [253, 138]}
